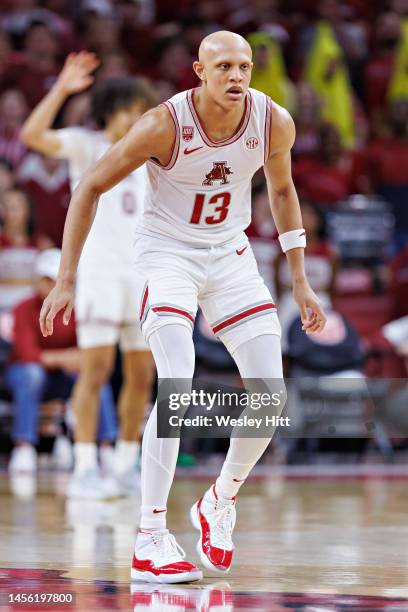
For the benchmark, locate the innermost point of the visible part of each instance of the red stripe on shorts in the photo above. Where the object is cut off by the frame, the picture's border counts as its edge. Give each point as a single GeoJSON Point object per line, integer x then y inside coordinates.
{"type": "Point", "coordinates": [144, 301]}
{"type": "Point", "coordinates": [243, 315]}
{"type": "Point", "coordinates": [184, 313]}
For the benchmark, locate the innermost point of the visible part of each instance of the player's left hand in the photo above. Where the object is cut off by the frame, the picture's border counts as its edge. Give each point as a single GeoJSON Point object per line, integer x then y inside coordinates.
{"type": "Point", "coordinates": [311, 311]}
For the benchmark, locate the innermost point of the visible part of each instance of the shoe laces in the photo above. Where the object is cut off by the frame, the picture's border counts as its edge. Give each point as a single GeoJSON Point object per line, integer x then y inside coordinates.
{"type": "Point", "coordinates": [168, 549]}
{"type": "Point", "coordinates": [222, 524]}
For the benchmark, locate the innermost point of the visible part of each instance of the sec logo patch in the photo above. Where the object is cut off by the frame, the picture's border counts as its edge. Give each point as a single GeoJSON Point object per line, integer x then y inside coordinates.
{"type": "Point", "coordinates": [252, 142]}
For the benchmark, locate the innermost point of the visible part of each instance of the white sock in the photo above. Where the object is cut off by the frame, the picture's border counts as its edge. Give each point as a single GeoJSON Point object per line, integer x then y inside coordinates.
{"type": "Point", "coordinates": [126, 455]}
{"type": "Point", "coordinates": [259, 358]}
{"type": "Point", "coordinates": [153, 517]}
{"type": "Point", "coordinates": [107, 459]}
{"type": "Point", "coordinates": [85, 456]}
{"type": "Point", "coordinates": [214, 499]}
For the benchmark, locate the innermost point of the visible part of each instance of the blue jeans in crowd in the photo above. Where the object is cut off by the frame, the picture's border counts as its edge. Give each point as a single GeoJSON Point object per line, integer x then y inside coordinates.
{"type": "Point", "coordinates": [31, 383]}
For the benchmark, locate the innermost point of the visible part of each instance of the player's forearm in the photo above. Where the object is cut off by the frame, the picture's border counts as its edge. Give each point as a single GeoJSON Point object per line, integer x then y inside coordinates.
{"type": "Point", "coordinates": [43, 116]}
{"type": "Point", "coordinates": [285, 207]}
{"type": "Point", "coordinates": [286, 213]}
{"type": "Point", "coordinates": [81, 213]}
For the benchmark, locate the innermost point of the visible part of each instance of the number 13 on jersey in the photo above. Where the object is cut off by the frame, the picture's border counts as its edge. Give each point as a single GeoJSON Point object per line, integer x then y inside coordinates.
{"type": "Point", "coordinates": [222, 202]}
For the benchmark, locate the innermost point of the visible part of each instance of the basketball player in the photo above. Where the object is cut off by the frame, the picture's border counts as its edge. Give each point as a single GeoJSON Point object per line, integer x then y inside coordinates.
{"type": "Point", "coordinates": [202, 148]}
{"type": "Point", "coordinates": [104, 303]}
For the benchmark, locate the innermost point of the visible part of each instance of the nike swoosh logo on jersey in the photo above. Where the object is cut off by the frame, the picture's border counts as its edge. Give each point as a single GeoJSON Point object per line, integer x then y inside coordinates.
{"type": "Point", "coordinates": [236, 480]}
{"type": "Point", "coordinates": [302, 234]}
{"type": "Point", "coordinates": [187, 151]}
{"type": "Point", "coordinates": [240, 251]}
{"type": "Point", "coordinates": [155, 511]}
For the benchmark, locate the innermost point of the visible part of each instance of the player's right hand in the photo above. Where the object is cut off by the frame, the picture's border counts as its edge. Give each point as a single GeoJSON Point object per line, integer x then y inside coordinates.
{"type": "Point", "coordinates": [60, 298]}
{"type": "Point", "coordinates": [76, 74]}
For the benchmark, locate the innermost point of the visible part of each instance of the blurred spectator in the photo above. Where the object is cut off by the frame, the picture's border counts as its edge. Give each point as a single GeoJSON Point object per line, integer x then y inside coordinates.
{"type": "Point", "coordinates": [9, 58]}
{"type": "Point", "coordinates": [102, 35]}
{"type": "Point", "coordinates": [174, 63]}
{"type": "Point", "coordinates": [388, 163]}
{"type": "Point", "coordinates": [326, 71]}
{"type": "Point", "coordinates": [398, 283]}
{"type": "Point", "coordinates": [307, 116]}
{"type": "Point", "coordinates": [23, 13]}
{"type": "Point", "coordinates": [269, 71]}
{"type": "Point", "coordinates": [136, 28]}
{"type": "Point", "coordinates": [77, 110]}
{"type": "Point", "coordinates": [115, 64]}
{"type": "Point", "coordinates": [379, 68]}
{"type": "Point", "coordinates": [353, 38]}
{"type": "Point", "coordinates": [195, 28]}
{"type": "Point", "coordinates": [18, 249]}
{"type": "Point", "coordinates": [6, 182]}
{"type": "Point", "coordinates": [46, 180]}
{"type": "Point", "coordinates": [321, 264]}
{"type": "Point", "coordinates": [42, 368]}
{"type": "Point", "coordinates": [333, 174]}
{"type": "Point", "coordinates": [35, 76]}
{"type": "Point", "coordinates": [261, 15]}
{"type": "Point", "coordinates": [13, 111]}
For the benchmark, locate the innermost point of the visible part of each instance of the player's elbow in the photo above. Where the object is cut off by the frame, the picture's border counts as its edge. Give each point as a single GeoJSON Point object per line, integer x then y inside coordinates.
{"type": "Point", "coordinates": [283, 191]}
{"type": "Point", "coordinates": [27, 136]}
{"type": "Point", "coordinates": [88, 189]}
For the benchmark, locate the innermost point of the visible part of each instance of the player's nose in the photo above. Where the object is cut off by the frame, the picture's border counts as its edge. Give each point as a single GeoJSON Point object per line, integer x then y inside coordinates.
{"type": "Point", "coordinates": [236, 75]}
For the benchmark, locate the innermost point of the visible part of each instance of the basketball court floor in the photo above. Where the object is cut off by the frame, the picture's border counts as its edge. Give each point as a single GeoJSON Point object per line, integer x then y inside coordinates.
{"type": "Point", "coordinates": [313, 540]}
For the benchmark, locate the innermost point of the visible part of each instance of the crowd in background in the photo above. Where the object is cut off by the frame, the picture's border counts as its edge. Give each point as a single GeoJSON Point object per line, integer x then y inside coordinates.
{"type": "Point", "coordinates": [340, 68]}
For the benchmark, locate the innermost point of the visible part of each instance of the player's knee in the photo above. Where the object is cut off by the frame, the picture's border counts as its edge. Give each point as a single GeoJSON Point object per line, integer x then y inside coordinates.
{"type": "Point", "coordinates": [140, 379]}
{"type": "Point", "coordinates": [97, 375]}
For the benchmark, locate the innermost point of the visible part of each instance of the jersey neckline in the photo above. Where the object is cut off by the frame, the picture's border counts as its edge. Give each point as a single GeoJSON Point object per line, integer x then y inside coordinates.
{"type": "Point", "coordinates": [225, 141]}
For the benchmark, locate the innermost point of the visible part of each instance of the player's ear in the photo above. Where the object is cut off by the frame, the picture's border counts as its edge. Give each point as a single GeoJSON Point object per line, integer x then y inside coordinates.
{"type": "Point", "coordinates": [199, 70]}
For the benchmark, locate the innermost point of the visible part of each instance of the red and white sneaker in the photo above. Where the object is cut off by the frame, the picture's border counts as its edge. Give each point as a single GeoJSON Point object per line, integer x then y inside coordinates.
{"type": "Point", "coordinates": [215, 518]}
{"type": "Point", "coordinates": [158, 558]}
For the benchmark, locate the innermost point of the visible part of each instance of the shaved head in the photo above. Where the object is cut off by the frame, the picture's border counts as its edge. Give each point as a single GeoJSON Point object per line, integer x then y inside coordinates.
{"type": "Point", "coordinates": [224, 68]}
{"type": "Point", "coordinates": [222, 41]}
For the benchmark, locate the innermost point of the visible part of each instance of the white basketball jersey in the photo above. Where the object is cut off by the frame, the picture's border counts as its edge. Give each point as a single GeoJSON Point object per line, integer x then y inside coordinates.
{"type": "Point", "coordinates": [203, 196]}
{"type": "Point", "coordinates": [109, 245]}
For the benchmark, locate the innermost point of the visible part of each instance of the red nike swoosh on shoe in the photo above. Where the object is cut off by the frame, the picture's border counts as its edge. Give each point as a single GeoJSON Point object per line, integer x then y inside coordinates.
{"type": "Point", "coordinates": [188, 151]}
{"type": "Point", "coordinates": [155, 511]}
{"type": "Point", "coordinates": [240, 251]}
{"type": "Point", "coordinates": [302, 234]}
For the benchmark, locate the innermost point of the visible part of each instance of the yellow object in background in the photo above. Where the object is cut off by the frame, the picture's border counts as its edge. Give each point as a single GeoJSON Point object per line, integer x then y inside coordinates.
{"type": "Point", "coordinates": [269, 71]}
{"type": "Point", "coordinates": [398, 87]}
{"type": "Point", "coordinates": [327, 74]}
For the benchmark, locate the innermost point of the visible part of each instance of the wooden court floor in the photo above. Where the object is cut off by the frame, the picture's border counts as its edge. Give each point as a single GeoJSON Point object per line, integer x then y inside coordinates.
{"type": "Point", "coordinates": [314, 544]}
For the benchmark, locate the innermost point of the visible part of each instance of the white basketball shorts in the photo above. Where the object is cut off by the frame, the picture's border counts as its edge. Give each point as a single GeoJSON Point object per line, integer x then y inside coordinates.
{"type": "Point", "coordinates": [106, 311]}
{"type": "Point", "coordinates": [173, 278]}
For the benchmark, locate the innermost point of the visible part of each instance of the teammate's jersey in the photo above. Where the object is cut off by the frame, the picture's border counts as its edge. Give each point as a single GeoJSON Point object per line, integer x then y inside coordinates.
{"type": "Point", "coordinates": [109, 245]}
{"type": "Point", "coordinates": [203, 195]}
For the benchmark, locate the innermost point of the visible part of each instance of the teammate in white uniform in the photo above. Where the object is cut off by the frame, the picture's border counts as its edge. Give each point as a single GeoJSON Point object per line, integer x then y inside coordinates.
{"type": "Point", "coordinates": [105, 300]}
{"type": "Point", "coordinates": [202, 149]}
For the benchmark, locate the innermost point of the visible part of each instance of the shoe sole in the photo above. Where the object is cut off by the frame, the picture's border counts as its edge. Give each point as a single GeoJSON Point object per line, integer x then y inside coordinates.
{"type": "Point", "coordinates": [203, 557]}
{"type": "Point", "coordinates": [138, 576]}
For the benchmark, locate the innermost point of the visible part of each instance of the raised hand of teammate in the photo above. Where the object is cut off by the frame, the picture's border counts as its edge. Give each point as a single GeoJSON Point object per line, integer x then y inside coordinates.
{"type": "Point", "coordinates": [76, 74]}
{"type": "Point", "coordinates": [59, 298]}
{"type": "Point", "coordinates": [311, 311]}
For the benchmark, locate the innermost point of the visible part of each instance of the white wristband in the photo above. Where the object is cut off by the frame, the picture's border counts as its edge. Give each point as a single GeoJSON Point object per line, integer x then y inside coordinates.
{"type": "Point", "coordinates": [293, 239]}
